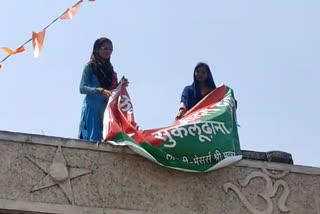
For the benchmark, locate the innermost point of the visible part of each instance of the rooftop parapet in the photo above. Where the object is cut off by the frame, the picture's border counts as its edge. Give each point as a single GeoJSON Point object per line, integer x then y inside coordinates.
{"type": "Point", "coordinates": [42, 174]}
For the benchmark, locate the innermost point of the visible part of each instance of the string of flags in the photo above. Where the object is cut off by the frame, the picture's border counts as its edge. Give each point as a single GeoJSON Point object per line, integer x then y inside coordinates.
{"type": "Point", "coordinates": [38, 37]}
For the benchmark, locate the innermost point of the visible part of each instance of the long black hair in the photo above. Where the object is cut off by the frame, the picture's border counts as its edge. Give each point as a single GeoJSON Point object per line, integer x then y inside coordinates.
{"type": "Point", "coordinates": [102, 68]}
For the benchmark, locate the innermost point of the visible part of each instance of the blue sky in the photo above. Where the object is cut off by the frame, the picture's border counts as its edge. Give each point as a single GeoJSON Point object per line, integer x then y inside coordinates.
{"type": "Point", "coordinates": [267, 51]}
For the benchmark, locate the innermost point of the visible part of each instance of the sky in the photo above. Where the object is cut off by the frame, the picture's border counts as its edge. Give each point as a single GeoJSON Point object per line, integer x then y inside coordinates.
{"type": "Point", "coordinates": [268, 52]}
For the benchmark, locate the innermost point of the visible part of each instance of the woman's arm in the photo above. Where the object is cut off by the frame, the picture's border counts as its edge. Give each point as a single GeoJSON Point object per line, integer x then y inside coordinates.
{"type": "Point", "coordinates": [182, 111]}
{"type": "Point", "coordinates": [186, 97]}
{"type": "Point", "coordinates": [86, 79]}
{"type": "Point", "coordinates": [184, 103]}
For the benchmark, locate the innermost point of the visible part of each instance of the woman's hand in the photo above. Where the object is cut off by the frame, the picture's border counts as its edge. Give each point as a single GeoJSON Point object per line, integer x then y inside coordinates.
{"type": "Point", "coordinates": [106, 93]}
{"type": "Point", "coordinates": [180, 113]}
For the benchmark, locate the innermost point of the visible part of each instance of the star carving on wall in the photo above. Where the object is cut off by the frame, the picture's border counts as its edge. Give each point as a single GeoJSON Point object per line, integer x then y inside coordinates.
{"type": "Point", "coordinates": [57, 173]}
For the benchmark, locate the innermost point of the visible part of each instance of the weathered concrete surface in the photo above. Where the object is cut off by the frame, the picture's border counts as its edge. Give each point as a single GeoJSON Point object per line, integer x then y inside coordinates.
{"type": "Point", "coordinates": [108, 179]}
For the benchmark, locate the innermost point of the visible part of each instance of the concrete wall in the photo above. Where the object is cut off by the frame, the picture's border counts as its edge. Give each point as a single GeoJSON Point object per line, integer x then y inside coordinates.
{"type": "Point", "coordinates": [40, 174]}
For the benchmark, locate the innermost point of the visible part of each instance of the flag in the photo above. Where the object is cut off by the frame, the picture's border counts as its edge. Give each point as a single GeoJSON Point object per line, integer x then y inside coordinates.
{"type": "Point", "coordinates": [11, 52]}
{"type": "Point", "coordinates": [206, 138]}
{"type": "Point", "coordinates": [37, 42]}
{"type": "Point", "coordinates": [71, 12]}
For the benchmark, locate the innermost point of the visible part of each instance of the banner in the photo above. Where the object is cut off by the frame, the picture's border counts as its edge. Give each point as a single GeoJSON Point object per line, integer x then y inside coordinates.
{"type": "Point", "coordinates": [206, 138]}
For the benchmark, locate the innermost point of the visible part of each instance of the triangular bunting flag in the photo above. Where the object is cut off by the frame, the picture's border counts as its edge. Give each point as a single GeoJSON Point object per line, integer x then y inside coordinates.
{"type": "Point", "coordinates": [11, 52]}
{"type": "Point", "coordinates": [37, 42]}
{"type": "Point", "coordinates": [71, 12]}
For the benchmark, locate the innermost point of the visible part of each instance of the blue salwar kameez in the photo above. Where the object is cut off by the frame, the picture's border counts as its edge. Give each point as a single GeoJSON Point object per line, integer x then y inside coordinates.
{"type": "Point", "coordinates": [94, 105]}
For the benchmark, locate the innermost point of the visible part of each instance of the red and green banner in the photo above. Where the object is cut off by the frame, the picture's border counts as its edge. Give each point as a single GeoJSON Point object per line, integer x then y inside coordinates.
{"type": "Point", "coordinates": [206, 138]}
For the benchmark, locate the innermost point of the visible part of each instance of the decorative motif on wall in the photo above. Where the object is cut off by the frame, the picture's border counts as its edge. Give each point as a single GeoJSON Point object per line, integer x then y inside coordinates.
{"type": "Point", "coordinates": [317, 202]}
{"type": "Point", "coordinates": [270, 190]}
{"type": "Point", "coordinates": [57, 173]}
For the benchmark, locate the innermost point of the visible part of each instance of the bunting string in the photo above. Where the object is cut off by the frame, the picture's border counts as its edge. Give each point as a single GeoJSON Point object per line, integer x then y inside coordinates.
{"type": "Point", "coordinates": [38, 38]}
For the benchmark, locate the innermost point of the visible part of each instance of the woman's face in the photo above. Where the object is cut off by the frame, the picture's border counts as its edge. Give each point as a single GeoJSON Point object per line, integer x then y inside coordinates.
{"type": "Point", "coordinates": [105, 50]}
{"type": "Point", "coordinates": [201, 74]}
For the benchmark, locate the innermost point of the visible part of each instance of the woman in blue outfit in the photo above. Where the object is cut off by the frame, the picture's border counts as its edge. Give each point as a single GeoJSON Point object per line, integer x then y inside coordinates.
{"type": "Point", "coordinates": [98, 79]}
{"type": "Point", "coordinates": [202, 85]}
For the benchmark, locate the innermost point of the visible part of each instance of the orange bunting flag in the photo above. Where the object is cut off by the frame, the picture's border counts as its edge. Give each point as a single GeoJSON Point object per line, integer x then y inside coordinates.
{"type": "Point", "coordinates": [71, 12]}
{"type": "Point", "coordinates": [37, 42]}
{"type": "Point", "coordinates": [0, 66]}
{"type": "Point", "coordinates": [11, 52]}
